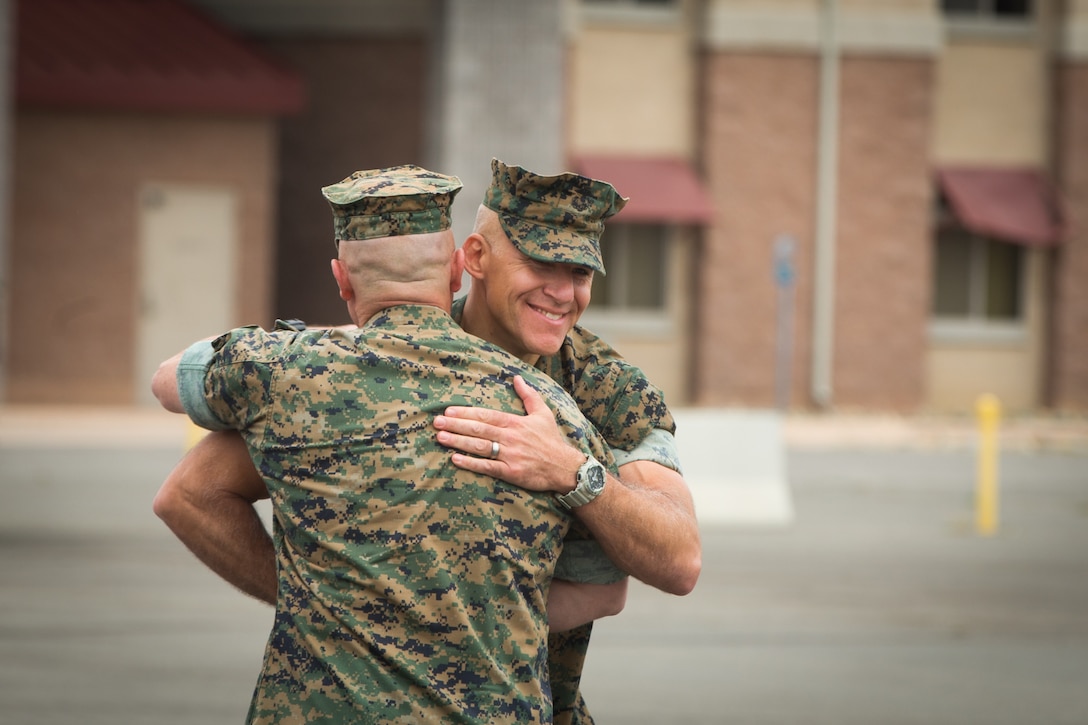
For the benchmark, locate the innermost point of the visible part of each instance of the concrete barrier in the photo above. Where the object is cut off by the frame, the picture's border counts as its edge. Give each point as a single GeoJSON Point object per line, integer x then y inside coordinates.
{"type": "Point", "coordinates": [735, 463]}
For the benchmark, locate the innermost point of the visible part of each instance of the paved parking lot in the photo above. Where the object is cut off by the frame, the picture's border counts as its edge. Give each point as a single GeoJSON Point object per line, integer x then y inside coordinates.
{"type": "Point", "coordinates": [875, 603]}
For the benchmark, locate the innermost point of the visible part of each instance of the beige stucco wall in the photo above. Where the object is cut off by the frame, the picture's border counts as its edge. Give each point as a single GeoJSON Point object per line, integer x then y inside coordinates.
{"type": "Point", "coordinates": [957, 376]}
{"type": "Point", "coordinates": [993, 107]}
{"type": "Point", "coordinates": [1007, 363]}
{"type": "Point", "coordinates": [992, 103]}
{"type": "Point", "coordinates": [632, 89]}
{"type": "Point", "coordinates": [659, 345]}
{"type": "Point", "coordinates": [888, 27]}
{"type": "Point", "coordinates": [77, 178]}
{"type": "Point", "coordinates": [632, 93]}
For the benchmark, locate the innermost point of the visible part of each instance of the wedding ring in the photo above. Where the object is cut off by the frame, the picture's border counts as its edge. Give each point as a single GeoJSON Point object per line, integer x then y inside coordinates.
{"type": "Point", "coordinates": [494, 449]}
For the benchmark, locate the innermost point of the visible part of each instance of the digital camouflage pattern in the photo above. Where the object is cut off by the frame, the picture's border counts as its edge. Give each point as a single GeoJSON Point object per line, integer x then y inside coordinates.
{"type": "Point", "coordinates": [625, 408]}
{"type": "Point", "coordinates": [566, 660]}
{"type": "Point", "coordinates": [615, 395]}
{"type": "Point", "coordinates": [552, 218]}
{"type": "Point", "coordinates": [391, 202]}
{"type": "Point", "coordinates": [410, 590]}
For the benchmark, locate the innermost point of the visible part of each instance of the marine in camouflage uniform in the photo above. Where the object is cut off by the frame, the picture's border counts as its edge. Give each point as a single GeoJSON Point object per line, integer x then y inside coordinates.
{"type": "Point", "coordinates": [630, 413]}
{"type": "Point", "coordinates": [409, 590]}
{"type": "Point", "coordinates": [616, 397]}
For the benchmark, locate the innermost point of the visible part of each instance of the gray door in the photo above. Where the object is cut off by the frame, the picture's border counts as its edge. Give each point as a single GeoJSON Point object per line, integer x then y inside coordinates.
{"type": "Point", "coordinates": [188, 236]}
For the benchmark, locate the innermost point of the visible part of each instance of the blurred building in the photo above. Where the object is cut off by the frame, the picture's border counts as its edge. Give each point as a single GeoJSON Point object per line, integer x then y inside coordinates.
{"type": "Point", "coordinates": [851, 204]}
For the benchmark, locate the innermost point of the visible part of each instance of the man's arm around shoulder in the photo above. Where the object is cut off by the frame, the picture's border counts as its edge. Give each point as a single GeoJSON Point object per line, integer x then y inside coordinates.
{"type": "Point", "coordinates": [645, 522]}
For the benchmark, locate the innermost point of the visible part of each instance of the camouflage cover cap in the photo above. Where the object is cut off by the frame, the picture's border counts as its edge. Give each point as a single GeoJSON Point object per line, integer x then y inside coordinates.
{"type": "Point", "coordinates": [391, 202]}
{"type": "Point", "coordinates": [552, 218]}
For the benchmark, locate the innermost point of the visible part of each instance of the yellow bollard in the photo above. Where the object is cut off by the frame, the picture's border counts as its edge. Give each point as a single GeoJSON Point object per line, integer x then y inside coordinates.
{"type": "Point", "coordinates": [988, 410]}
{"type": "Point", "coordinates": [193, 434]}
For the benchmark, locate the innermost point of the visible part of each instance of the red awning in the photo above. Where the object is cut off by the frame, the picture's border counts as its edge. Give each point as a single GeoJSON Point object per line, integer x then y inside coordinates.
{"type": "Point", "coordinates": [660, 189]}
{"type": "Point", "coordinates": [142, 55]}
{"type": "Point", "coordinates": [1012, 204]}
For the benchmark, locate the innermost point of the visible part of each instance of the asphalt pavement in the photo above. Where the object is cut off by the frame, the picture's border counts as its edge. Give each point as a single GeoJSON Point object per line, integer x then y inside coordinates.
{"type": "Point", "coordinates": [873, 601]}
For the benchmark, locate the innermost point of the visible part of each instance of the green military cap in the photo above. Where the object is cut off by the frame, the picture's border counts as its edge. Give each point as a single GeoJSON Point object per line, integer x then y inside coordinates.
{"type": "Point", "coordinates": [391, 202]}
{"type": "Point", "coordinates": [552, 218]}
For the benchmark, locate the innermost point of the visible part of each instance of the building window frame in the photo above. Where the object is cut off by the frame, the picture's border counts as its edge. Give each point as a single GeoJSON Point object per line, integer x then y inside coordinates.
{"type": "Point", "coordinates": [977, 323]}
{"type": "Point", "coordinates": [987, 18]}
{"type": "Point", "coordinates": [995, 9]}
{"type": "Point", "coordinates": [612, 307]}
{"type": "Point", "coordinates": [653, 13]}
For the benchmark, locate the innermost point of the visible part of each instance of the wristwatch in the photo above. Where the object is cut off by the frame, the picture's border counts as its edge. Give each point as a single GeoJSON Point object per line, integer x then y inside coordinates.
{"type": "Point", "coordinates": [590, 479]}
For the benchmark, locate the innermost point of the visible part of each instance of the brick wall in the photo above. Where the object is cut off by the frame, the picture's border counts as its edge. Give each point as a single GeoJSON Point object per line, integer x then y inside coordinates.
{"type": "Point", "coordinates": [884, 253]}
{"type": "Point", "coordinates": [759, 141]}
{"type": "Point", "coordinates": [759, 135]}
{"type": "Point", "coordinates": [1068, 388]}
{"type": "Point", "coordinates": [76, 179]}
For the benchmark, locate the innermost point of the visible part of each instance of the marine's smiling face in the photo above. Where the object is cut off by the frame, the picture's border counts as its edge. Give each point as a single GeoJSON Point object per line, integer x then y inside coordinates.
{"type": "Point", "coordinates": [534, 304]}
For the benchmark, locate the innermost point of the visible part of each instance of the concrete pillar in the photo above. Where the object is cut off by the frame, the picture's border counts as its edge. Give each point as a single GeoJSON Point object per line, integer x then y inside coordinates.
{"type": "Point", "coordinates": [7, 104]}
{"type": "Point", "coordinates": [498, 92]}
{"type": "Point", "coordinates": [1068, 379]}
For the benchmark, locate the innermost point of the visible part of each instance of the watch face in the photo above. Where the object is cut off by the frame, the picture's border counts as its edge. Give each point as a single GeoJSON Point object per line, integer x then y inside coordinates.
{"type": "Point", "coordinates": [591, 480]}
{"type": "Point", "coordinates": [595, 476]}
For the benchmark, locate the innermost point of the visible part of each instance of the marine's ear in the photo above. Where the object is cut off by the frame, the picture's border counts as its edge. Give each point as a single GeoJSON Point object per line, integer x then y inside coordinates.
{"type": "Point", "coordinates": [476, 253]}
{"type": "Point", "coordinates": [457, 270]}
{"type": "Point", "coordinates": [343, 280]}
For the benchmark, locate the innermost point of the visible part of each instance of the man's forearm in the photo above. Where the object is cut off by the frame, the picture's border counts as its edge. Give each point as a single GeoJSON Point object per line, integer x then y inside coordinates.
{"type": "Point", "coordinates": [218, 546]}
{"type": "Point", "coordinates": [207, 501]}
{"type": "Point", "coordinates": [645, 522]}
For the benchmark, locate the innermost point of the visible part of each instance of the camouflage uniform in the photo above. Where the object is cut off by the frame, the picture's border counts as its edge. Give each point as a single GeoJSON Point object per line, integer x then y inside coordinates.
{"type": "Point", "coordinates": [560, 219]}
{"type": "Point", "coordinates": [410, 590]}
{"type": "Point", "coordinates": [630, 413]}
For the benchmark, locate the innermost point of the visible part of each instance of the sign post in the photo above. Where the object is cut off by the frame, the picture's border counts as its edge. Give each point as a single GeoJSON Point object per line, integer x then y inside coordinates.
{"type": "Point", "coordinates": [784, 274]}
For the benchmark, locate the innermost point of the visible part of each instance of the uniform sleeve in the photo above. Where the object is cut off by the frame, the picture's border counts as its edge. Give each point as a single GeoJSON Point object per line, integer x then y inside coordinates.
{"type": "Point", "coordinates": [191, 373]}
{"type": "Point", "coordinates": [238, 378]}
{"type": "Point", "coordinates": [613, 394]}
{"type": "Point", "coordinates": [584, 561]}
{"type": "Point", "coordinates": [659, 447]}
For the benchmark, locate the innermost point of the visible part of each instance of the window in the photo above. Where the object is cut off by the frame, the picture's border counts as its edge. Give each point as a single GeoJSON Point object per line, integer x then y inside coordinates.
{"type": "Point", "coordinates": [635, 258]}
{"type": "Point", "coordinates": [977, 280]}
{"type": "Point", "coordinates": [636, 12]}
{"type": "Point", "coordinates": [1000, 9]}
{"type": "Point", "coordinates": [641, 3]}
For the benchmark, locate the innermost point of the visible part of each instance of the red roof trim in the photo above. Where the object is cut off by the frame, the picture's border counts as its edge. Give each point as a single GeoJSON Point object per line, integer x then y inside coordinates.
{"type": "Point", "coordinates": [1013, 204]}
{"type": "Point", "coordinates": [142, 55]}
{"type": "Point", "coordinates": [660, 189]}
